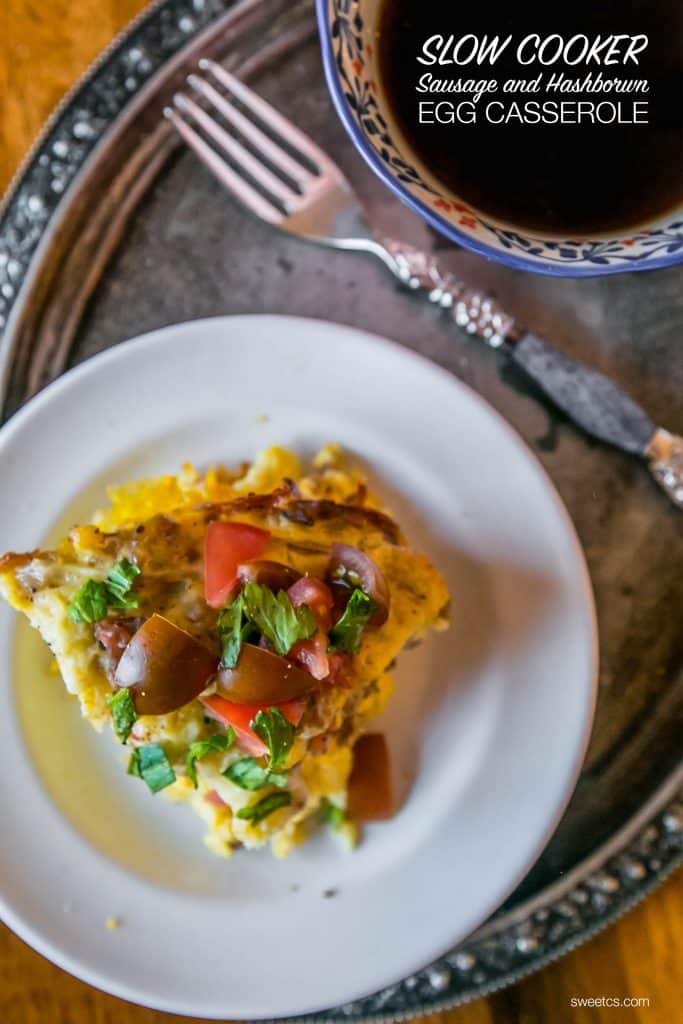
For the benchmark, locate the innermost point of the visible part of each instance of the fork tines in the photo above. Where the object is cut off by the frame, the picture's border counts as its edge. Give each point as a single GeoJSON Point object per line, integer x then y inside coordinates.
{"type": "Point", "coordinates": [260, 156]}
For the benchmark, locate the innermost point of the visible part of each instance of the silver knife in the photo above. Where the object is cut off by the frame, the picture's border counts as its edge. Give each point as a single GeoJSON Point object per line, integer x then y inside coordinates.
{"type": "Point", "coordinates": [587, 397]}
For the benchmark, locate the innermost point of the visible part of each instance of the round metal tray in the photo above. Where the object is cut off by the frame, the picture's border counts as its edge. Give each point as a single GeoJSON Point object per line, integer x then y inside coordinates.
{"type": "Point", "coordinates": [111, 229]}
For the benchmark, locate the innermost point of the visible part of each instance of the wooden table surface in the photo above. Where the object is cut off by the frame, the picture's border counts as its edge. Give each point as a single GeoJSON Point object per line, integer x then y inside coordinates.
{"type": "Point", "coordinates": [44, 47]}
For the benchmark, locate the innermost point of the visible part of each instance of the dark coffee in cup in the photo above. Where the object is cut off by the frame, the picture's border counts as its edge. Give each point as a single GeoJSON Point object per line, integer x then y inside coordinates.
{"type": "Point", "coordinates": [562, 117]}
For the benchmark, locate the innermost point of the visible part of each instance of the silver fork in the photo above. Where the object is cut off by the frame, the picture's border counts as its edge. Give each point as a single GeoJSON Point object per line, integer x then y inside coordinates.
{"type": "Point", "coordinates": [278, 173]}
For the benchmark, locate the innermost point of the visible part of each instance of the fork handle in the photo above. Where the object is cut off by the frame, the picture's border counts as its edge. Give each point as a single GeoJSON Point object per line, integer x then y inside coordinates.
{"type": "Point", "coordinates": [587, 397]}
{"type": "Point", "coordinates": [472, 310]}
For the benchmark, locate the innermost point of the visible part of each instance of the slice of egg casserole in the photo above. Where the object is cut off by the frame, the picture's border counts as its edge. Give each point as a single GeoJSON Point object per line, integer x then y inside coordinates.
{"type": "Point", "coordinates": [236, 630]}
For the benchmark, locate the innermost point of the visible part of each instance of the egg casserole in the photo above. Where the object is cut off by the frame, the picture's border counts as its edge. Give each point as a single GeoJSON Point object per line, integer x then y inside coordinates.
{"type": "Point", "coordinates": [236, 630]}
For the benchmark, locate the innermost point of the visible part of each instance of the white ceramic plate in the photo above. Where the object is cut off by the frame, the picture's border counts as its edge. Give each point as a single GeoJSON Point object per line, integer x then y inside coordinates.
{"type": "Point", "coordinates": [488, 726]}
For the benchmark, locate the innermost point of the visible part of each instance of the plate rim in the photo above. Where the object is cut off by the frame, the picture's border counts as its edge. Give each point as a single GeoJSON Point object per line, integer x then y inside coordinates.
{"type": "Point", "coordinates": [121, 352]}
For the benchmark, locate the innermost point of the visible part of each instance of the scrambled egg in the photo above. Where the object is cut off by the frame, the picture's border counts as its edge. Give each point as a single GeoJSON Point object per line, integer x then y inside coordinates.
{"type": "Point", "coordinates": [141, 521]}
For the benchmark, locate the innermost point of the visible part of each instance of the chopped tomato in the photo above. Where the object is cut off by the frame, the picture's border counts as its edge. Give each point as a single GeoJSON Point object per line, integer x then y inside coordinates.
{"type": "Point", "coordinates": [164, 667]}
{"type": "Point", "coordinates": [317, 596]}
{"type": "Point", "coordinates": [370, 792]}
{"type": "Point", "coordinates": [116, 634]}
{"type": "Point", "coordinates": [212, 797]}
{"type": "Point", "coordinates": [240, 715]}
{"type": "Point", "coordinates": [338, 664]}
{"type": "Point", "coordinates": [312, 654]}
{"type": "Point", "coordinates": [228, 545]}
{"type": "Point", "coordinates": [262, 677]}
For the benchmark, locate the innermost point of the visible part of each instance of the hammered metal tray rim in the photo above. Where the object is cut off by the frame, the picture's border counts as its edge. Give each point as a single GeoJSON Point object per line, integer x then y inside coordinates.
{"type": "Point", "coordinates": [511, 978]}
{"type": "Point", "coordinates": [72, 92]}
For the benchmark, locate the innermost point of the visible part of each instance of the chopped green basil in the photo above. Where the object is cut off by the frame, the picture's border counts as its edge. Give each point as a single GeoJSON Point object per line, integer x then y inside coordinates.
{"type": "Point", "coordinates": [276, 618]}
{"type": "Point", "coordinates": [211, 745]}
{"type": "Point", "coordinates": [259, 610]}
{"type": "Point", "coordinates": [331, 814]}
{"type": "Point", "coordinates": [258, 811]}
{"type": "Point", "coordinates": [347, 633]}
{"type": "Point", "coordinates": [151, 764]}
{"type": "Point", "coordinates": [123, 713]}
{"type": "Point", "coordinates": [119, 584]}
{"type": "Point", "coordinates": [233, 631]}
{"type": "Point", "coordinates": [92, 602]}
{"type": "Point", "coordinates": [247, 773]}
{"type": "Point", "coordinates": [278, 735]}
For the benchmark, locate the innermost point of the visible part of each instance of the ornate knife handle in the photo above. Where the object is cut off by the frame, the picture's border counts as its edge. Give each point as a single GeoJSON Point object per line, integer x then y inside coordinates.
{"type": "Point", "coordinates": [665, 456]}
{"type": "Point", "coordinates": [473, 311]}
{"type": "Point", "coordinates": [588, 397]}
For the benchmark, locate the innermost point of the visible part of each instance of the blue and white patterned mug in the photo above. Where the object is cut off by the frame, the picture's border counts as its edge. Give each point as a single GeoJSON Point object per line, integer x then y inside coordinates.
{"type": "Point", "coordinates": [347, 31]}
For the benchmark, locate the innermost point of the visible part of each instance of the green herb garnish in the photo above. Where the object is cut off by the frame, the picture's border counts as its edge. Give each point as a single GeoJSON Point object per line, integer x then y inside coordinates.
{"type": "Point", "coordinates": [259, 610]}
{"type": "Point", "coordinates": [346, 635]}
{"type": "Point", "coordinates": [119, 584]}
{"type": "Point", "coordinates": [211, 745]}
{"type": "Point", "coordinates": [272, 802]}
{"type": "Point", "coordinates": [276, 618]}
{"type": "Point", "coordinates": [247, 773]}
{"type": "Point", "coordinates": [94, 599]}
{"type": "Point", "coordinates": [278, 735]}
{"type": "Point", "coordinates": [90, 603]}
{"type": "Point", "coordinates": [331, 814]}
{"type": "Point", "coordinates": [233, 630]}
{"type": "Point", "coordinates": [123, 713]}
{"type": "Point", "coordinates": [151, 764]}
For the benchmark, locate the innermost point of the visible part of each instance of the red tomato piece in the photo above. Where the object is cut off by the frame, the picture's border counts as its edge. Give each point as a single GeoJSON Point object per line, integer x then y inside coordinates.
{"type": "Point", "coordinates": [226, 546]}
{"type": "Point", "coordinates": [212, 797]}
{"type": "Point", "coordinates": [370, 794]}
{"type": "Point", "coordinates": [339, 664]}
{"type": "Point", "coordinates": [116, 634]}
{"type": "Point", "coordinates": [240, 715]}
{"type": "Point", "coordinates": [317, 595]}
{"type": "Point", "coordinates": [312, 654]}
